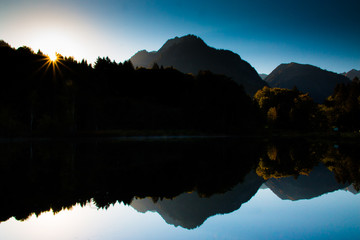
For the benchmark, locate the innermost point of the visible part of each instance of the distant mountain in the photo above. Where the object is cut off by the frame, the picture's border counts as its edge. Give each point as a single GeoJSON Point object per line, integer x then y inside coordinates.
{"type": "Point", "coordinates": [352, 74]}
{"type": "Point", "coordinates": [190, 54]}
{"type": "Point", "coordinates": [352, 189]}
{"type": "Point", "coordinates": [263, 76]}
{"type": "Point", "coordinates": [189, 210]}
{"type": "Point", "coordinates": [317, 82]}
{"type": "Point", "coordinates": [319, 182]}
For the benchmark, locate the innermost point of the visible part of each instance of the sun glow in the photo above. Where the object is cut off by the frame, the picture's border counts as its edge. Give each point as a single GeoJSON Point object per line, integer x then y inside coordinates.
{"type": "Point", "coordinates": [53, 57]}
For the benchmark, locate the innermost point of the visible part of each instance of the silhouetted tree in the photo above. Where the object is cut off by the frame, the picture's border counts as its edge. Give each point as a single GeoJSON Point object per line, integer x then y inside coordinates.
{"type": "Point", "coordinates": [342, 108]}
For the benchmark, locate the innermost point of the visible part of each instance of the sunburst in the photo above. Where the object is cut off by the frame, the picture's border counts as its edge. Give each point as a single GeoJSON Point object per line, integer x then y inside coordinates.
{"type": "Point", "coordinates": [53, 57]}
{"type": "Point", "coordinates": [52, 63]}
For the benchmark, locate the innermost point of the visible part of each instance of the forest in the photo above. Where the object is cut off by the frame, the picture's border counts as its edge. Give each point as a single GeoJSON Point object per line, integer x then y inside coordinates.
{"type": "Point", "coordinates": [65, 97]}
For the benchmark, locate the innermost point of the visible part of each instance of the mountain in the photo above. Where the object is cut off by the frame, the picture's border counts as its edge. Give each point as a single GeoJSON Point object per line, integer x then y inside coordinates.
{"type": "Point", "coordinates": [190, 54]}
{"type": "Point", "coordinates": [317, 82]}
{"type": "Point", "coordinates": [317, 183]}
{"type": "Point", "coordinates": [352, 74]}
{"type": "Point", "coordinates": [263, 76]}
{"type": "Point", "coordinates": [189, 210]}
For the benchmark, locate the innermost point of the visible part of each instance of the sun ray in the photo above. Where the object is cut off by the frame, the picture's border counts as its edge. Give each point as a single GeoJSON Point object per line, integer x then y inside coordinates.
{"type": "Point", "coordinates": [51, 61]}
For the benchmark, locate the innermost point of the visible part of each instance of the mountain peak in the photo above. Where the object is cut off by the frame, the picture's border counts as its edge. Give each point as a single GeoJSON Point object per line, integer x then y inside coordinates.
{"type": "Point", "coordinates": [190, 54]}
{"type": "Point", "coordinates": [189, 39]}
{"type": "Point", "coordinates": [353, 74]}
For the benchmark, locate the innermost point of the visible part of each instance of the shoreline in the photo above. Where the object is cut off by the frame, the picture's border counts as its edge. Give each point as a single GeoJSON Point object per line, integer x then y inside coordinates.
{"type": "Point", "coordinates": [137, 135]}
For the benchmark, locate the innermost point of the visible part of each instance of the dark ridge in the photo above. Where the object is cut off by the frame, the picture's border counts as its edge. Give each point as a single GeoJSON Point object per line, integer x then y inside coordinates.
{"type": "Point", "coordinates": [190, 54]}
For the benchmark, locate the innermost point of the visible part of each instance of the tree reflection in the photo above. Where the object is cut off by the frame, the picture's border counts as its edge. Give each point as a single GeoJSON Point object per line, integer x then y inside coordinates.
{"type": "Point", "coordinates": [283, 159]}
{"type": "Point", "coordinates": [57, 175]}
{"type": "Point", "coordinates": [39, 176]}
{"type": "Point", "coordinates": [344, 161]}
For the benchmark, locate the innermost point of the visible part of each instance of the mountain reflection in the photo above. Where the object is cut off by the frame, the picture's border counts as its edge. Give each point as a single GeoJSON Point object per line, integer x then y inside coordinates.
{"type": "Point", "coordinates": [190, 210]}
{"type": "Point", "coordinates": [185, 181]}
{"type": "Point", "coordinates": [319, 181]}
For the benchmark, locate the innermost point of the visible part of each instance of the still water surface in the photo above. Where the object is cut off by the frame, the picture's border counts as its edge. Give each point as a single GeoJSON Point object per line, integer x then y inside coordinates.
{"type": "Point", "coordinates": [180, 190]}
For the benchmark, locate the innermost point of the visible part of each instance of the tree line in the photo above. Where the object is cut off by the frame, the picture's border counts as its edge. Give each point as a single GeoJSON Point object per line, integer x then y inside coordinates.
{"type": "Point", "coordinates": [68, 97]}
{"type": "Point", "coordinates": [290, 109]}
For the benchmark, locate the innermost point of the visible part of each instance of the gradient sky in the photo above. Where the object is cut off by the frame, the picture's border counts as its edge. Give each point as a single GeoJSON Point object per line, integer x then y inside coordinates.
{"type": "Point", "coordinates": [264, 33]}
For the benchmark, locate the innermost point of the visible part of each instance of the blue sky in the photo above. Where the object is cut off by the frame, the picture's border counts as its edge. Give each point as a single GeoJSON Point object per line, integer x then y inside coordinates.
{"type": "Point", "coordinates": [264, 33]}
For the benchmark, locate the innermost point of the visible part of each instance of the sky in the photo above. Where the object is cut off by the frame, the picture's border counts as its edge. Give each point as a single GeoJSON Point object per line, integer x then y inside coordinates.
{"type": "Point", "coordinates": [264, 33]}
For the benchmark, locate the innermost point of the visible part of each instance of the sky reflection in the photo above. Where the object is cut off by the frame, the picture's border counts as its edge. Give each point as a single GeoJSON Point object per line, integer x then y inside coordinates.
{"type": "Point", "coordinates": [331, 216]}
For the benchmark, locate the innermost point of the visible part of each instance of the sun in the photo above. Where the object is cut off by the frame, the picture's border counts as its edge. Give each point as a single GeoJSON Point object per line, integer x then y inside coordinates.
{"type": "Point", "coordinates": [52, 62]}
{"type": "Point", "coordinates": [53, 57]}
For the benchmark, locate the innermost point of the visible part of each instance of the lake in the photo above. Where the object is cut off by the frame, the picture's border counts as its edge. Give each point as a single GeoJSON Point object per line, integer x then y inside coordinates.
{"type": "Point", "coordinates": [179, 188]}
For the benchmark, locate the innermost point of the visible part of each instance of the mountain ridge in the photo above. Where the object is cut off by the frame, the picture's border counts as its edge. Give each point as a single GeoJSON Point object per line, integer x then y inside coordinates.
{"type": "Point", "coordinates": [319, 83]}
{"type": "Point", "coordinates": [190, 54]}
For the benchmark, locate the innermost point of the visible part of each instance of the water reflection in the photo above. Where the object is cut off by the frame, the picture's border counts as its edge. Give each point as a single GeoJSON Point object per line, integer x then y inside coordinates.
{"type": "Point", "coordinates": [185, 181]}
{"type": "Point", "coordinates": [190, 210]}
{"type": "Point", "coordinates": [318, 182]}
